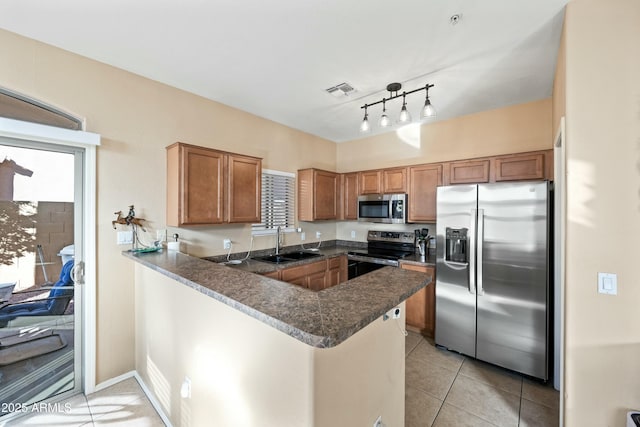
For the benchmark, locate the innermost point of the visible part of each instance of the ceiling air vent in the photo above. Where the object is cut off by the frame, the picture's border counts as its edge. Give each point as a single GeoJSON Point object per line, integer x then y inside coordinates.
{"type": "Point", "coordinates": [343, 89]}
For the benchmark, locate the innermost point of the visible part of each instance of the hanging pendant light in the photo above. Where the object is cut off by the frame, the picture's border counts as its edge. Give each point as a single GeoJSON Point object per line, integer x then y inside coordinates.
{"type": "Point", "coordinates": [384, 119]}
{"type": "Point", "coordinates": [365, 126]}
{"type": "Point", "coordinates": [428, 110]}
{"type": "Point", "coordinates": [405, 116]}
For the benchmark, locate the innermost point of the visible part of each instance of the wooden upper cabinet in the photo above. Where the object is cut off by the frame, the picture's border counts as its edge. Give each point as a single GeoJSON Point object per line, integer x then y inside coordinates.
{"type": "Point", "coordinates": [517, 167]}
{"type": "Point", "coordinates": [394, 180]}
{"type": "Point", "coordinates": [349, 196]}
{"type": "Point", "coordinates": [206, 186]}
{"type": "Point", "coordinates": [245, 189]}
{"type": "Point", "coordinates": [468, 172]}
{"type": "Point", "coordinates": [370, 182]}
{"type": "Point", "coordinates": [318, 193]}
{"type": "Point", "coordinates": [195, 185]}
{"type": "Point", "coordinates": [423, 183]}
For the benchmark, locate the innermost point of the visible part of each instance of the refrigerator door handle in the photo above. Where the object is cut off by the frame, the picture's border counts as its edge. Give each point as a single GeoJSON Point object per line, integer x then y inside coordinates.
{"type": "Point", "coordinates": [472, 252]}
{"type": "Point", "coordinates": [479, 250]}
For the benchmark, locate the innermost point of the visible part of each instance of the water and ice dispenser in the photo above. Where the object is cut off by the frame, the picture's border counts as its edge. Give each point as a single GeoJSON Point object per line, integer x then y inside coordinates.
{"type": "Point", "coordinates": [456, 249]}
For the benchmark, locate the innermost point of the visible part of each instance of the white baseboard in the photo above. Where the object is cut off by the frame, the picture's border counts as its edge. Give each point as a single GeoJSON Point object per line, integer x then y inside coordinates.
{"type": "Point", "coordinates": [153, 400]}
{"type": "Point", "coordinates": [133, 374]}
{"type": "Point", "coordinates": [113, 381]}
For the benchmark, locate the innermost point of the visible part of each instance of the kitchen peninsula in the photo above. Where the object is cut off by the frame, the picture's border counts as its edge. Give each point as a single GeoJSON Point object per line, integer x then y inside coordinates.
{"type": "Point", "coordinates": [258, 351]}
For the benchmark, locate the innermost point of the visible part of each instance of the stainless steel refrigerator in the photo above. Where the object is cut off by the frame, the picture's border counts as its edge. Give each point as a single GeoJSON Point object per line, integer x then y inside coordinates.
{"type": "Point", "coordinates": [492, 273]}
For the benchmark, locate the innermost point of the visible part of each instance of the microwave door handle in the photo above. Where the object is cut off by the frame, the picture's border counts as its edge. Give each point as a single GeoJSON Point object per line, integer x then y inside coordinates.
{"type": "Point", "coordinates": [480, 249]}
{"type": "Point", "coordinates": [471, 244]}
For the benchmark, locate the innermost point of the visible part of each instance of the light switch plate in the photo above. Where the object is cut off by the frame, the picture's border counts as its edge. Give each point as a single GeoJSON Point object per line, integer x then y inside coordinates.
{"type": "Point", "coordinates": [125, 237]}
{"type": "Point", "coordinates": [608, 283]}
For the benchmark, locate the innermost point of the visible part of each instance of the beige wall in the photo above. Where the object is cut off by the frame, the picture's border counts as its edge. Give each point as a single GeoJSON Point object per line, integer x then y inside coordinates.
{"type": "Point", "coordinates": [137, 119]}
{"type": "Point", "coordinates": [603, 210]}
{"type": "Point", "coordinates": [252, 374]}
{"type": "Point", "coordinates": [518, 128]}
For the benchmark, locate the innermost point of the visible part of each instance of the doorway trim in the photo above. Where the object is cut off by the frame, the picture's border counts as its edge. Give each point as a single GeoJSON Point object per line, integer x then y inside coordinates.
{"type": "Point", "coordinates": [89, 141]}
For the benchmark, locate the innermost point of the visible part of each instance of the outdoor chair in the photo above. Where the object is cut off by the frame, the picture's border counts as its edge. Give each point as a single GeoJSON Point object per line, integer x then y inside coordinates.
{"type": "Point", "coordinates": [55, 304]}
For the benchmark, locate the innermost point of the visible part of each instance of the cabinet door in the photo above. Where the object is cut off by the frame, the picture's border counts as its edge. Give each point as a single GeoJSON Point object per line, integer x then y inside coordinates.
{"type": "Point", "coordinates": [317, 281]}
{"type": "Point", "coordinates": [469, 172]}
{"type": "Point", "coordinates": [518, 167]}
{"type": "Point", "coordinates": [201, 186]}
{"type": "Point", "coordinates": [273, 274]}
{"type": "Point", "coordinates": [326, 195]}
{"type": "Point", "coordinates": [370, 182]}
{"type": "Point", "coordinates": [394, 180]}
{"type": "Point", "coordinates": [337, 271]}
{"type": "Point", "coordinates": [423, 183]}
{"type": "Point", "coordinates": [245, 186]}
{"type": "Point", "coordinates": [350, 195]}
{"type": "Point", "coordinates": [421, 305]}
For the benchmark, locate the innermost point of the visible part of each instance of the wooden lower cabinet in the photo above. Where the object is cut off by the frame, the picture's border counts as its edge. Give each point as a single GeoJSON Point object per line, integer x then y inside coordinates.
{"type": "Point", "coordinates": [316, 275]}
{"type": "Point", "coordinates": [337, 271]}
{"type": "Point", "coordinates": [421, 306]}
{"type": "Point", "coordinates": [273, 274]}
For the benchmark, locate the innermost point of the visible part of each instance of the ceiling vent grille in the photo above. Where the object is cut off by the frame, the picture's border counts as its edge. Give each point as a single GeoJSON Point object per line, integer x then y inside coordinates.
{"type": "Point", "coordinates": [343, 89]}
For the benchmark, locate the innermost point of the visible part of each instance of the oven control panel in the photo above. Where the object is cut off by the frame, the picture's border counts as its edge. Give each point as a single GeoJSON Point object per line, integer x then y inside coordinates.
{"type": "Point", "coordinates": [390, 236]}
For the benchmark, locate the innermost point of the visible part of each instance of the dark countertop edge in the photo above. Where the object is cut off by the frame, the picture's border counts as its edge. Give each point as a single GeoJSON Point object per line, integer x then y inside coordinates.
{"type": "Point", "coordinates": [326, 341]}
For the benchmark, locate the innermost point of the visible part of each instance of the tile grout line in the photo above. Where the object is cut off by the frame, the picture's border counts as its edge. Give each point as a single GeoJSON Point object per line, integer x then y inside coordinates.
{"type": "Point", "coordinates": [448, 391]}
{"type": "Point", "coordinates": [520, 408]}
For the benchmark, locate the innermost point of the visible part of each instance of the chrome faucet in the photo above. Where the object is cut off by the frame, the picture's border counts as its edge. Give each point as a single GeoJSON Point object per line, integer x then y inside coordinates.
{"type": "Point", "coordinates": [278, 237]}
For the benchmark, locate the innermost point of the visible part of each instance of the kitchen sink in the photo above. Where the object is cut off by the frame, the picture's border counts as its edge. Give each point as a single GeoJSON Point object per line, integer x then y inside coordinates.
{"type": "Point", "coordinates": [276, 259]}
{"type": "Point", "coordinates": [290, 257]}
{"type": "Point", "coordinates": [300, 255]}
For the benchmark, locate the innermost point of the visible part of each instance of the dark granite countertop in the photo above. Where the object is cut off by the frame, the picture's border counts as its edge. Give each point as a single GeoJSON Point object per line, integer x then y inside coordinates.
{"type": "Point", "coordinates": [321, 319]}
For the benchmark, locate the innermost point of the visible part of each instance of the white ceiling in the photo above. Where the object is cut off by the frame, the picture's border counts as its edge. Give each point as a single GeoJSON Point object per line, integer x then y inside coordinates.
{"type": "Point", "coordinates": [276, 58]}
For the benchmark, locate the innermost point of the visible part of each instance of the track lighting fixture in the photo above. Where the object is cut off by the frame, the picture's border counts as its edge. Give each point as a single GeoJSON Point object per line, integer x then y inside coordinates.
{"type": "Point", "coordinates": [405, 117]}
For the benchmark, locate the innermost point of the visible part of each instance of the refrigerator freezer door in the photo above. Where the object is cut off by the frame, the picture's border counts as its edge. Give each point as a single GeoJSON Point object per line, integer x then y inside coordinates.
{"type": "Point", "coordinates": [455, 296]}
{"type": "Point", "coordinates": [512, 317]}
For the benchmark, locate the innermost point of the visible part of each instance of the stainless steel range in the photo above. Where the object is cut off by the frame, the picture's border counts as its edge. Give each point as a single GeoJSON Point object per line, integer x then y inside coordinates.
{"type": "Point", "coordinates": [383, 248]}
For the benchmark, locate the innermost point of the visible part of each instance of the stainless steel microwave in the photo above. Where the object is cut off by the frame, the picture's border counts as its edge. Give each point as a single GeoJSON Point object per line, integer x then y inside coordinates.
{"type": "Point", "coordinates": [385, 208]}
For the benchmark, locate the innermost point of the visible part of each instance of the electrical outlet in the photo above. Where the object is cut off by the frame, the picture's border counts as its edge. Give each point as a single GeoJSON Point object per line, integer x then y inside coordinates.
{"type": "Point", "coordinates": [318, 234]}
{"type": "Point", "coordinates": [161, 235]}
{"type": "Point", "coordinates": [185, 390]}
{"type": "Point", "coordinates": [303, 236]}
{"type": "Point", "coordinates": [124, 237]}
{"type": "Point", "coordinates": [378, 422]}
{"type": "Point", "coordinates": [226, 243]}
{"type": "Point", "coordinates": [353, 234]}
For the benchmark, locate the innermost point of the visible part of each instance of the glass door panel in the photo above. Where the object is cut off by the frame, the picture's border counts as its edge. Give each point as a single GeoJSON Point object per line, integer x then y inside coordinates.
{"type": "Point", "coordinates": [40, 255]}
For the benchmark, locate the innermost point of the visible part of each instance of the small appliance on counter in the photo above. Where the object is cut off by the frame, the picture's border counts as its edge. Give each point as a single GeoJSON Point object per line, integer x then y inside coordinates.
{"type": "Point", "coordinates": [422, 242]}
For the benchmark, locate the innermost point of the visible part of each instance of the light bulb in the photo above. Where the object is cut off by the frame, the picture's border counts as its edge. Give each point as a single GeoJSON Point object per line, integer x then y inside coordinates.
{"type": "Point", "coordinates": [384, 120]}
{"type": "Point", "coordinates": [427, 110]}
{"type": "Point", "coordinates": [365, 126]}
{"type": "Point", "coordinates": [404, 117]}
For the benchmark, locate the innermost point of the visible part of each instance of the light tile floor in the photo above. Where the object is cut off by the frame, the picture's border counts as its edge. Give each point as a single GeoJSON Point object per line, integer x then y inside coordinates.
{"type": "Point", "coordinates": [123, 404]}
{"type": "Point", "coordinates": [443, 389]}
{"type": "Point", "coordinates": [447, 389]}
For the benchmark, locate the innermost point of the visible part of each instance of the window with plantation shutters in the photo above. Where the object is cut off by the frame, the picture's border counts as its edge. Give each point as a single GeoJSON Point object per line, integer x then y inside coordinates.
{"type": "Point", "coordinates": [278, 189]}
